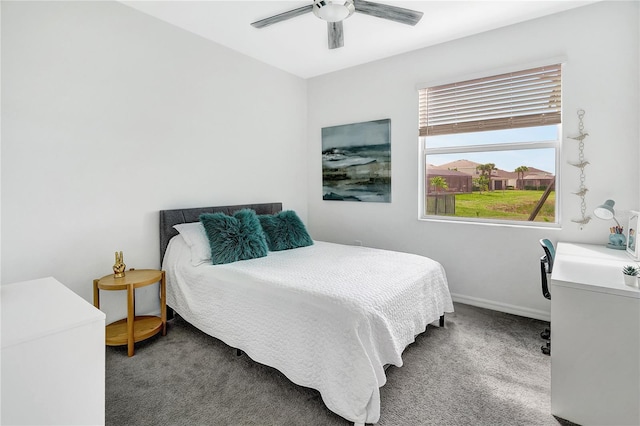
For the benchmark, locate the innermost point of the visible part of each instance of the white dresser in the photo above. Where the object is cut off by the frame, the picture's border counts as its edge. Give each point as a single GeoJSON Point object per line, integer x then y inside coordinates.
{"type": "Point", "coordinates": [595, 337]}
{"type": "Point", "coordinates": [53, 356]}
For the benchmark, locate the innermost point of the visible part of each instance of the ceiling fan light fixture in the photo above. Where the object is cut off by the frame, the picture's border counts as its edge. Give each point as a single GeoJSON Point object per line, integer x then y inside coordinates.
{"type": "Point", "coordinates": [333, 10]}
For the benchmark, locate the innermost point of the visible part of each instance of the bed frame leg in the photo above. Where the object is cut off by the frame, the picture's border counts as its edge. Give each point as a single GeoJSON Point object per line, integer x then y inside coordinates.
{"type": "Point", "coordinates": [441, 320]}
{"type": "Point", "coordinates": [238, 352]}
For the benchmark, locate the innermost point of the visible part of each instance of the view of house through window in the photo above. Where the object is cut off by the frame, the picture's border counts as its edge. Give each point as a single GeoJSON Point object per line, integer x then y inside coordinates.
{"type": "Point", "coordinates": [490, 146]}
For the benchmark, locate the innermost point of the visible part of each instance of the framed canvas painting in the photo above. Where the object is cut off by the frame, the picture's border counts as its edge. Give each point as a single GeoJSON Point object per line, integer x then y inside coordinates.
{"type": "Point", "coordinates": [356, 162]}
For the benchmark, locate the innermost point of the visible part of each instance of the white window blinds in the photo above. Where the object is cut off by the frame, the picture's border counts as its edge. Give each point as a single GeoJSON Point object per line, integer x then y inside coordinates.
{"type": "Point", "coordinates": [518, 99]}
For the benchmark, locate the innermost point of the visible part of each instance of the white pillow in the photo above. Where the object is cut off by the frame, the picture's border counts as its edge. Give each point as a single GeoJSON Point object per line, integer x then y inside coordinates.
{"type": "Point", "coordinates": [196, 238]}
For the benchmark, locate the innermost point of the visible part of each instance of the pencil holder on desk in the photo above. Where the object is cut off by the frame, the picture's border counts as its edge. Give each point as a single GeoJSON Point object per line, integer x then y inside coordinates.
{"type": "Point", "coordinates": [617, 239]}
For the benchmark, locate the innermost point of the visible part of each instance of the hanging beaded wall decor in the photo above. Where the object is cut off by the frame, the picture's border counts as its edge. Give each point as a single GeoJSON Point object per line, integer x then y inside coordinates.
{"type": "Point", "coordinates": [581, 164]}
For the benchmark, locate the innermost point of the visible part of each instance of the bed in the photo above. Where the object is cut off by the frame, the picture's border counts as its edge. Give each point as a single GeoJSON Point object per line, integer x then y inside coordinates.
{"type": "Point", "coordinates": [328, 316]}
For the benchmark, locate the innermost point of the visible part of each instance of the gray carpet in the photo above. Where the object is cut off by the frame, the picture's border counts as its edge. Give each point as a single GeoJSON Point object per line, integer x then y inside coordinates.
{"type": "Point", "coordinates": [483, 368]}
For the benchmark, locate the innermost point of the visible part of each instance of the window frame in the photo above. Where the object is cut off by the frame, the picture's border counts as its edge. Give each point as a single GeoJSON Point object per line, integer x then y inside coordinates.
{"type": "Point", "coordinates": [424, 151]}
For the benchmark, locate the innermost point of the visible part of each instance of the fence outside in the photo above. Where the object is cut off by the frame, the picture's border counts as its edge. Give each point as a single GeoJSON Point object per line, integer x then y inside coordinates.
{"type": "Point", "coordinates": [441, 204]}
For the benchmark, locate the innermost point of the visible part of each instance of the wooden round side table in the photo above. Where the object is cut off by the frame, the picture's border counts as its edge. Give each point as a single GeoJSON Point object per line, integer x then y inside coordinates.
{"type": "Point", "coordinates": [134, 328]}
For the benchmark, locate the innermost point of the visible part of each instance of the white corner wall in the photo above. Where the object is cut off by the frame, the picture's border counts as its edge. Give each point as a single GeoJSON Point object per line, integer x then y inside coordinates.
{"type": "Point", "coordinates": [108, 116]}
{"type": "Point", "coordinates": [492, 266]}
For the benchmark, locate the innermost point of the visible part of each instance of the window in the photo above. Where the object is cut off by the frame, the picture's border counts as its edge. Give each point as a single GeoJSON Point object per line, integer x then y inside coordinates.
{"type": "Point", "coordinates": [489, 147]}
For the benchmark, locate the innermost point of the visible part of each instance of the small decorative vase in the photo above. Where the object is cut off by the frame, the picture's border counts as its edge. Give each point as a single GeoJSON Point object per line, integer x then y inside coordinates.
{"type": "Point", "coordinates": [630, 280]}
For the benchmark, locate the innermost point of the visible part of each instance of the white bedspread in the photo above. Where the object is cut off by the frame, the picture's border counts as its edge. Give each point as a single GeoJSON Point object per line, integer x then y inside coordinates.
{"type": "Point", "coordinates": [328, 316]}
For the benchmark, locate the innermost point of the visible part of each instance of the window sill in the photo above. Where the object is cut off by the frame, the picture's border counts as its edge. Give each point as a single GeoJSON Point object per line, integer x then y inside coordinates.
{"type": "Point", "coordinates": [491, 222]}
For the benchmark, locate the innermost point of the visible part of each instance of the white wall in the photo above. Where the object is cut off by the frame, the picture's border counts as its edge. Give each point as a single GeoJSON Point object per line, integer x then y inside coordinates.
{"type": "Point", "coordinates": [494, 266]}
{"type": "Point", "coordinates": [108, 116]}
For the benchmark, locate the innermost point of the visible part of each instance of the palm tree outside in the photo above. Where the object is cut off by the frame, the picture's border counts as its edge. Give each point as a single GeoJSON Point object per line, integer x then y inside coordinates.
{"type": "Point", "coordinates": [521, 171]}
{"type": "Point", "coordinates": [438, 182]}
{"type": "Point", "coordinates": [485, 170]}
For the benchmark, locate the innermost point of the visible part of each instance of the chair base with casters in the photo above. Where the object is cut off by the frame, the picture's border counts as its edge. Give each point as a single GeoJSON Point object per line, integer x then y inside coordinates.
{"type": "Point", "coordinates": [546, 267]}
{"type": "Point", "coordinates": [546, 335]}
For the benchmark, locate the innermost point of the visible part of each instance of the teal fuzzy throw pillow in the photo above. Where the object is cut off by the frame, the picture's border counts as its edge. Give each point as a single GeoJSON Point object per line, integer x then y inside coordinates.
{"type": "Point", "coordinates": [233, 238]}
{"type": "Point", "coordinates": [285, 231]}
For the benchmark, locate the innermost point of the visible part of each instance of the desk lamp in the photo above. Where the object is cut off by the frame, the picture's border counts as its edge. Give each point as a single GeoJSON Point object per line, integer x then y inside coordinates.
{"type": "Point", "coordinates": [617, 239]}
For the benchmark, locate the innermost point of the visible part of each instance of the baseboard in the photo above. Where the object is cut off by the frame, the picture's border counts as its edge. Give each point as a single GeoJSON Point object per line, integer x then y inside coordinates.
{"type": "Point", "coordinates": [502, 307]}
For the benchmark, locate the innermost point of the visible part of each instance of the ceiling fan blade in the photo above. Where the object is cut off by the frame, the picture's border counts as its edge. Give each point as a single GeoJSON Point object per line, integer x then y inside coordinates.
{"type": "Point", "coordinates": [336, 35]}
{"type": "Point", "coordinates": [393, 13]}
{"type": "Point", "coordinates": [282, 16]}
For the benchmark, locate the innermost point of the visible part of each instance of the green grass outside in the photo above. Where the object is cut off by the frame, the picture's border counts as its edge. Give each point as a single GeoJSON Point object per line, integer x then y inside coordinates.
{"type": "Point", "coordinates": [506, 205]}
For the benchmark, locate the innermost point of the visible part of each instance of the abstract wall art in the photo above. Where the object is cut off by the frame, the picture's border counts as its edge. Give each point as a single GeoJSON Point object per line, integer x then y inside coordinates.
{"type": "Point", "coordinates": [356, 162]}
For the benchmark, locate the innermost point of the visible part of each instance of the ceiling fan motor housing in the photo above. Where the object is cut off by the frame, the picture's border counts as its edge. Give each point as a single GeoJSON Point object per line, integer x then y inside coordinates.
{"type": "Point", "coordinates": [333, 10]}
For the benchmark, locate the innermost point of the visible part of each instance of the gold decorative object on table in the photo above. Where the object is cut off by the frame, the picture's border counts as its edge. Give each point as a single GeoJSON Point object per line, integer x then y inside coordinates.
{"type": "Point", "coordinates": [119, 266]}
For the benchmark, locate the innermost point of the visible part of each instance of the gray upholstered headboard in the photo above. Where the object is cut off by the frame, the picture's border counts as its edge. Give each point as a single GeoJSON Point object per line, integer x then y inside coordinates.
{"type": "Point", "coordinates": [168, 218]}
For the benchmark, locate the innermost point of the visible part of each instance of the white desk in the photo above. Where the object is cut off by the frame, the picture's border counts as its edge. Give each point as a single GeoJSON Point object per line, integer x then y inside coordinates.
{"type": "Point", "coordinates": [595, 337]}
{"type": "Point", "coordinates": [53, 356]}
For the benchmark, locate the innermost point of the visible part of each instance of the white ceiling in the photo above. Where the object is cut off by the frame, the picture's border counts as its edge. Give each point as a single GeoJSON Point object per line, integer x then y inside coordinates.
{"type": "Point", "coordinates": [299, 45]}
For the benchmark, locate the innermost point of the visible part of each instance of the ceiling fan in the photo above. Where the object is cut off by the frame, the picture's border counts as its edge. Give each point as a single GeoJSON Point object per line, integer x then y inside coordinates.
{"type": "Point", "coordinates": [335, 11]}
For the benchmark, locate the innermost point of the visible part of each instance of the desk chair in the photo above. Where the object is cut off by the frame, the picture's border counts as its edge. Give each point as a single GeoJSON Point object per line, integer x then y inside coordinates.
{"type": "Point", "coordinates": [546, 267]}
